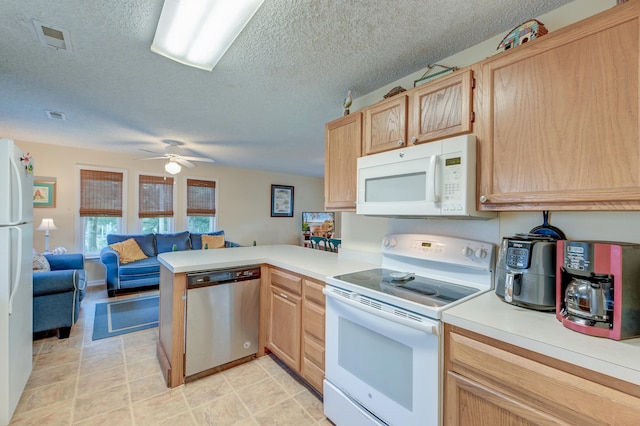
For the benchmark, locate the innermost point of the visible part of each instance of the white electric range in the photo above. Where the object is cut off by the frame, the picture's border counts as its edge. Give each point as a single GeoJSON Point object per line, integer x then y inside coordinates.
{"type": "Point", "coordinates": [383, 362]}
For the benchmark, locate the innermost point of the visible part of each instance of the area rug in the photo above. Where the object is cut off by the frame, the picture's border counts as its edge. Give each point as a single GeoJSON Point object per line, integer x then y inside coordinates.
{"type": "Point", "coordinates": [125, 316]}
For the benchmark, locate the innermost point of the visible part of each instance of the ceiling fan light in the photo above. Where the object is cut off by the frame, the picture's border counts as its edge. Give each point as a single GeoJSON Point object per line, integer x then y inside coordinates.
{"type": "Point", "coordinates": [172, 167]}
{"type": "Point", "coordinates": [199, 33]}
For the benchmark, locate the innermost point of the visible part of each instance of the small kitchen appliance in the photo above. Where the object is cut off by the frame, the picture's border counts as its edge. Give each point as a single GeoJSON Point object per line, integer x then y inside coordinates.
{"type": "Point", "coordinates": [383, 335]}
{"type": "Point", "coordinates": [598, 288]}
{"type": "Point", "coordinates": [526, 271]}
{"type": "Point", "coordinates": [431, 179]}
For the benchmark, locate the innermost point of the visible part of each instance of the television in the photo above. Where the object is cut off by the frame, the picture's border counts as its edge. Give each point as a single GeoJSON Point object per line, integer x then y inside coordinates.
{"type": "Point", "coordinates": [319, 223]}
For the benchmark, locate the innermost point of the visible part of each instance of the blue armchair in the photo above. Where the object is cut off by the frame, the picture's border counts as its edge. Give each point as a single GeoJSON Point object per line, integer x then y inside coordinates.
{"type": "Point", "coordinates": [57, 294]}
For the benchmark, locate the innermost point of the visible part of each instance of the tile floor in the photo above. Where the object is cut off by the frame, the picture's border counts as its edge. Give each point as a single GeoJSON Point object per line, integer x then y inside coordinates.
{"type": "Point", "coordinates": [117, 381]}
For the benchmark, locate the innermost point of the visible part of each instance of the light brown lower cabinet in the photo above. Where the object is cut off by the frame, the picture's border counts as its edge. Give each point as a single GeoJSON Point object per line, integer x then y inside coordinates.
{"type": "Point", "coordinates": [313, 311]}
{"type": "Point", "coordinates": [295, 329]}
{"type": "Point", "coordinates": [488, 382]}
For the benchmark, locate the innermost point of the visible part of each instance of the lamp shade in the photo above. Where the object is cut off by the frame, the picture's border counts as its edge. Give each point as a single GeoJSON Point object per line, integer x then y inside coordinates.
{"type": "Point", "coordinates": [198, 33]}
{"type": "Point", "coordinates": [47, 225]}
{"type": "Point", "coordinates": [172, 167]}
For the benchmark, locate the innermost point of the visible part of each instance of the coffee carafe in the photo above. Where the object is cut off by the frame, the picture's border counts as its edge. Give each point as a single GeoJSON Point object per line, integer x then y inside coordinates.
{"type": "Point", "coordinates": [598, 288]}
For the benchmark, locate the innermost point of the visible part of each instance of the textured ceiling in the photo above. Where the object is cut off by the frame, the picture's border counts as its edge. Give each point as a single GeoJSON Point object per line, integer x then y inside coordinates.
{"type": "Point", "coordinates": [263, 106]}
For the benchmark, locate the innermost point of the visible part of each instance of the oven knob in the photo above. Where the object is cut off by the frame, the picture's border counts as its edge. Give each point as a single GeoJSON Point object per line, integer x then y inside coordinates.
{"type": "Point", "coordinates": [393, 242]}
{"type": "Point", "coordinates": [480, 253]}
{"type": "Point", "coordinates": [385, 242]}
{"type": "Point", "coordinates": [467, 251]}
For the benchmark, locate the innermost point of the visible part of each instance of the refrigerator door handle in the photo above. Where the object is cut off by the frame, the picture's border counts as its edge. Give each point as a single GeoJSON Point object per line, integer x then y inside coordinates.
{"type": "Point", "coordinates": [16, 284]}
{"type": "Point", "coordinates": [16, 170]}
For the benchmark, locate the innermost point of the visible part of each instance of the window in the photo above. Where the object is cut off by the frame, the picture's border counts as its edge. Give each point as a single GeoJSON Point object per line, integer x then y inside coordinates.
{"type": "Point", "coordinates": [101, 207]}
{"type": "Point", "coordinates": [201, 205]}
{"type": "Point", "coordinates": [155, 204]}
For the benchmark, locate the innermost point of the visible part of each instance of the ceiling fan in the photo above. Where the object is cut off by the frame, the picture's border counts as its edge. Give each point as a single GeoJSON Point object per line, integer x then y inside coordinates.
{"type": "Point", "coordinates": [175, 158]}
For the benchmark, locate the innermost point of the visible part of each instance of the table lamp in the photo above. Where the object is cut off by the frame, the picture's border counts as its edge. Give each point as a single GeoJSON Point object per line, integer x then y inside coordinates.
{"type": "Point", "coordinates": [47, 225]}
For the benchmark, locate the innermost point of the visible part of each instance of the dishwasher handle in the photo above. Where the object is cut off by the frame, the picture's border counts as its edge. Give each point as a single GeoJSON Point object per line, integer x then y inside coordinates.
{"type": "Point", "coordinates": [225, 276]}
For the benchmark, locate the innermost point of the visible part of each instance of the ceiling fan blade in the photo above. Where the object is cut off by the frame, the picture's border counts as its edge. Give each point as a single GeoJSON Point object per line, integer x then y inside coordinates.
{"type": "Point", "coordinates": [153, 152]}
{"type": "Point", "coordinates": [200, 159]}
{"type": "Point", "coordinates": [184, 162]}
{"type": "Point", "coordinates": [152, 158]}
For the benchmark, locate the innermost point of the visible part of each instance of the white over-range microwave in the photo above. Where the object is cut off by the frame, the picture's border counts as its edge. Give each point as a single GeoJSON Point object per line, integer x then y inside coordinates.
{"type": "Point", "coordinates": [432, 179]}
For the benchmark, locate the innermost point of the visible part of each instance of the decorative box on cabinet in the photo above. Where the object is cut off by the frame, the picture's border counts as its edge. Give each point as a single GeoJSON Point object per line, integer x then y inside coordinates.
{"type": "Point", "coordinates": [492, 383]}
{"type": "Point", "coordinates": [343, 146]}
{"type": "Point", "coordinates": [561, 119]}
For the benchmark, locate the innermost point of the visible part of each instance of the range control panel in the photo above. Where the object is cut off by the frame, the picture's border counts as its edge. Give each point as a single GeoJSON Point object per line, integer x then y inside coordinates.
{"type": "Point", "coordinates": [438, 248]}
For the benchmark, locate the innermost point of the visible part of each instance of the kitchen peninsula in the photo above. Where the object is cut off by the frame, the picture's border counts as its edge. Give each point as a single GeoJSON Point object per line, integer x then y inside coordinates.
{"type": "Point", "coordinates": [277, 263]}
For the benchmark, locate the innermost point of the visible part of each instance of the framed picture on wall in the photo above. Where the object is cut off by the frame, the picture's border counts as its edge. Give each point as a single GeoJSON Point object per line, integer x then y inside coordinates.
{"type": "Point", "coordinates": [281, 201]}
{"type": "Point", "coordinates": [44, 194]}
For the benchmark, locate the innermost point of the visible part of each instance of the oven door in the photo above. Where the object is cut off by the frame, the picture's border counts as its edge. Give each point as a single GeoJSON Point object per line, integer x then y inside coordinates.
{"type": "Point", "coordinates": [380, 361]}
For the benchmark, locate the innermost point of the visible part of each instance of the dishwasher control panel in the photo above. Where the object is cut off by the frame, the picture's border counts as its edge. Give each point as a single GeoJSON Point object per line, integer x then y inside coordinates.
{"type": "Point", "coordinates": [222, 276]}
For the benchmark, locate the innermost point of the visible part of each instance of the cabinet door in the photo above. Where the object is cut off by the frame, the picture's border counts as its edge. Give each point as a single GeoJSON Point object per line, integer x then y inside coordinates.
{"type": "Point", "coordinates": [441, 108]}
{"type": "Point", "coordinates": [343, 146]}
{"type": "Point", "coordinates": [562, 119]}
{"type": "Point", "coordinates": [469, 403]}
{"type": "Point", "coordinates": [284, 327]}
{"type": "Point", "coordinates": [385, 125]}
{"type": "Point", "coordinates": [487, 378]}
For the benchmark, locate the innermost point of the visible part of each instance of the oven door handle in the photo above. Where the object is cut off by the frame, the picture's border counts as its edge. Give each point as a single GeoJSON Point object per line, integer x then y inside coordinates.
{"type": "Point", "coordinates": [426, 325]}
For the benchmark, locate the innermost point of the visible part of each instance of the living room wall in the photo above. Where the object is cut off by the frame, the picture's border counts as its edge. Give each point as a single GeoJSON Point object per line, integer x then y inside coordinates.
{"type": "Point", "coordinates": [244, 196]}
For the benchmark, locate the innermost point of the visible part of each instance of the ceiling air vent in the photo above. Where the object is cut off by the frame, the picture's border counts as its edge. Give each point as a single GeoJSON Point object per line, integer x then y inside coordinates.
{"type": "Point", "coordinates": [56, 115]}
{"type": "Point", "coordinates": [53, 37]}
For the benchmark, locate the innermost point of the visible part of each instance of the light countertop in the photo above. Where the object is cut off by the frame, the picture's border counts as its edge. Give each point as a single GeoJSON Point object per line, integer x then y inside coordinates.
{"type": "Point", "coordinates": [541, 332]}
{"type": "Point", "coordinates": [312, 263]}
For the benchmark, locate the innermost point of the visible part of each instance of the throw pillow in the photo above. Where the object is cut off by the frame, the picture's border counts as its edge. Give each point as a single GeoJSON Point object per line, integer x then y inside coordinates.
{"type": "Point", "coordinates": [196, 239]}
{"type": "Point", "coordinates": [165, 242]}
{"type": "Point", "coordinates": [213, 241]}
{"type": "Point", "coordinates": [129, 251]}
{"type": "Point", "coordinates": [40, 263]}
{"type": "Point", "coordinates": [146, 242]}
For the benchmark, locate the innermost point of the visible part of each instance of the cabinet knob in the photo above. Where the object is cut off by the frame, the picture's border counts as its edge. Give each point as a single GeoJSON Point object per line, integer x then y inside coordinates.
{"type": "Point", "coordinates": [414, 140]}
{"type": "Point", "coordinates": [400, 142]}
{"type": "Point", "coordinates": [483, 199]}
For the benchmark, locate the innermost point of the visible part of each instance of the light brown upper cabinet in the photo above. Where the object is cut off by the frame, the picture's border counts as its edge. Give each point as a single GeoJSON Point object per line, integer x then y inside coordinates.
{"type": "Point", "coordinates": [432, 111]}
{"type": "Point", "coordinates": [343, 146]}
{"type": "Point", "coordinates": [442, 108]}
{"type": "Point", "coordinates": [385, 125]}
{"type": "Point", "coordinates": [560, 119]}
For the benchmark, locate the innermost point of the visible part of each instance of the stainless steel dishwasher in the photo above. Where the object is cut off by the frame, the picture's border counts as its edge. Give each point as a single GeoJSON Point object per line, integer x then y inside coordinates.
{"type": "Point", "coordinates": [223, 313]}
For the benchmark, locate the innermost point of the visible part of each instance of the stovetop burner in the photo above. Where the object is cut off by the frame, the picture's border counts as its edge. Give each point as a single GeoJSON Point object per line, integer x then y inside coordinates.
{"type": "Point", "coordinates": [426, 291]}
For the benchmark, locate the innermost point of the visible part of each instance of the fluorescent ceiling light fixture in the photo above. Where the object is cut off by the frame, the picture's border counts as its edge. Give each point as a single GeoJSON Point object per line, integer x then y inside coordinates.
{"type": "Point", "coordinates": [198, 33]}
{"type": "Point", "coordinates": [172, 167]}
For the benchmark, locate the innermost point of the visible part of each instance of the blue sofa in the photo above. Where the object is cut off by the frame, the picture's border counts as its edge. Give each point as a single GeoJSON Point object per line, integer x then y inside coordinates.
{"type": "Point", "coordinates": [57, 294]}
{"type": "Point", "coordinates": [145, 273]}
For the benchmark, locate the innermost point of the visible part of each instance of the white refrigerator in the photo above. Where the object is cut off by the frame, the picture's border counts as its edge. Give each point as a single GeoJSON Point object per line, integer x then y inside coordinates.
{"type": "Point", "coordinates": [16, 284]}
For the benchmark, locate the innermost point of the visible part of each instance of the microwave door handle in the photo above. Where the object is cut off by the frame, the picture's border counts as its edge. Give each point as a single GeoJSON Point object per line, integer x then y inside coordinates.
{"type": "Point", "coordinates": [431, 180]}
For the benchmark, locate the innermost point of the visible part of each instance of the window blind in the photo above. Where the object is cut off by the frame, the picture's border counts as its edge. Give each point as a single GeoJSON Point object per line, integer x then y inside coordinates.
{"type": "Point", "coordinates": [100, 193]}
{"type": "Point", "coordinates": [155, 196]}
{"type": "Point", "coordinates": [201, 197]}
